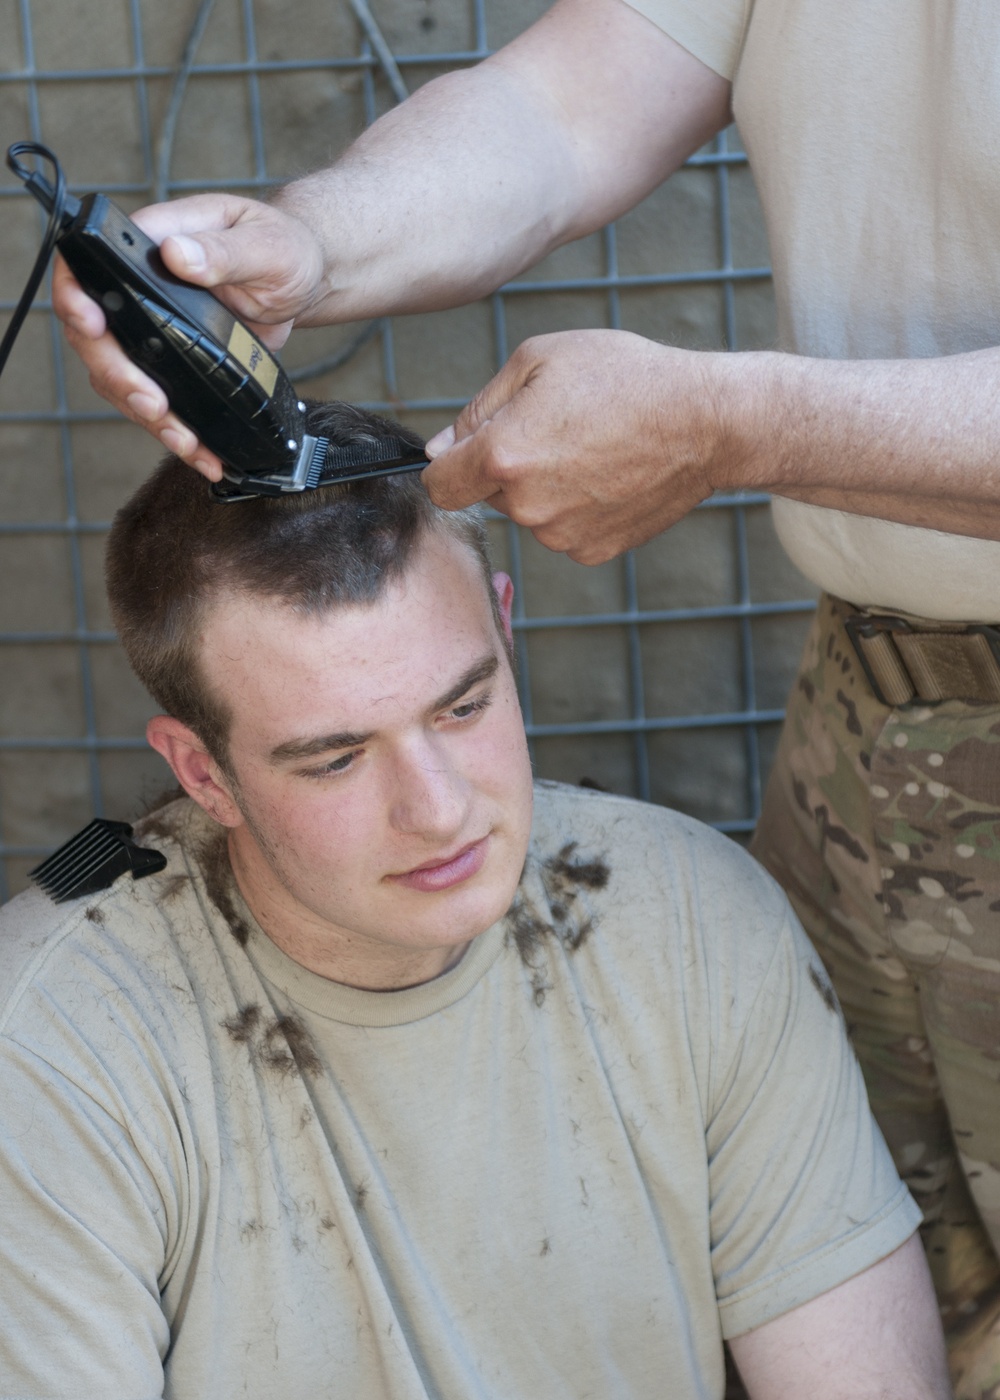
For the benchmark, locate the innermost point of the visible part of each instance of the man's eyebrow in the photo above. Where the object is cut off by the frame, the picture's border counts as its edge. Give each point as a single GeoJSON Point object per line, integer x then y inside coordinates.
{"type": "Point", "coordinates": [480, 671]}
{"type": "Point", "coordinates": [323, 743]}
{"type": "Point", "coordinates": [294, 749]}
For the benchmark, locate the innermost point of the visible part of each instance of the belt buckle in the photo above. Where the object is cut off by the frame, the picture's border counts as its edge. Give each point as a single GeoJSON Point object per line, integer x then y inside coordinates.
{"type": "Point", "coordinates": [990, 632]}
{"type": "Point", "coordinates": [896, 671]}
{"type": "Point", "coordinates": [859, 626]}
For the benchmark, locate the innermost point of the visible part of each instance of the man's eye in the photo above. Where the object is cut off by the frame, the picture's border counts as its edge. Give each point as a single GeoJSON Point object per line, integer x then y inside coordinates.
{"type": "Point", "coordinates": [336, 765]}
{"type": "Point", "coordinates": [470, 707]}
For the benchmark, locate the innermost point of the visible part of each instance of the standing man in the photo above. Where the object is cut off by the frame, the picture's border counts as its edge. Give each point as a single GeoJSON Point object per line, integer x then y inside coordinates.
{"type": "Point", "coordinates": [872, 129]}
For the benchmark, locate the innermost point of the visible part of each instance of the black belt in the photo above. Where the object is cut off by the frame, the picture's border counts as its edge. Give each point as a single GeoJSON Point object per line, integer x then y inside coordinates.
{"type": "Point", "coordinates": [917, 660]}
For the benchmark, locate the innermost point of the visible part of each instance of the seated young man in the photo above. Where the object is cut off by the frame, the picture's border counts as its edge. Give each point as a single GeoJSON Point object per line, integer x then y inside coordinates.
{"type": "Point", "coordinates": [396, 1082]}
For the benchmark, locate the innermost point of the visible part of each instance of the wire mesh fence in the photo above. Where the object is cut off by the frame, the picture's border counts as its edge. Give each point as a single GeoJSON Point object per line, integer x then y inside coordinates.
{"type": "Point", "coordinates": [661, 674]}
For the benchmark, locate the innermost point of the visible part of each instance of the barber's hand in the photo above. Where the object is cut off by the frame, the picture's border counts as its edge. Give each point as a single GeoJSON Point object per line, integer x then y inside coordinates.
{"type": "Point", "coordinates": [595, 440]}
{"type": "Point", "coordinates": [265, 265]}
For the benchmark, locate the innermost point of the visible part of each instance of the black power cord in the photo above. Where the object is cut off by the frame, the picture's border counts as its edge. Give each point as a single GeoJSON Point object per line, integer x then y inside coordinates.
{"type": "Point", "coordinates": [62, 208]}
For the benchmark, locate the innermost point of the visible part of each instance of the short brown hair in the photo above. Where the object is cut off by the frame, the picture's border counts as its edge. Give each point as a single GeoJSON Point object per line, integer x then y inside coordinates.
{"type": "Point", "coordinates": [172, 548]}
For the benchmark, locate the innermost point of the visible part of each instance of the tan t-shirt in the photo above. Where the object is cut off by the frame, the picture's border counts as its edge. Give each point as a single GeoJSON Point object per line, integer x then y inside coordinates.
{"type": "Point", "coordinates": [873, 130]}
{"type": "Point", "coordinates": [625, 1125]}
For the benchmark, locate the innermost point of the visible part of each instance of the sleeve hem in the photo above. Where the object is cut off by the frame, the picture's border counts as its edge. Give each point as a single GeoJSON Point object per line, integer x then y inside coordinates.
{"type": "Point", "coordinates": [712, 41]}
{"type": "Point", "coordinates": [840, 1261]}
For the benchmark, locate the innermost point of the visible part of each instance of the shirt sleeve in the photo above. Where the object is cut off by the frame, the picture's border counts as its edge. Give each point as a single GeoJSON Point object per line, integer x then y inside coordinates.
{"type": "Point", "coordinates": [712, 30]}
{"type": "Point", "coordinates": [82, 1241]}
{"type": "Point", "coordinates": [804, 1194]}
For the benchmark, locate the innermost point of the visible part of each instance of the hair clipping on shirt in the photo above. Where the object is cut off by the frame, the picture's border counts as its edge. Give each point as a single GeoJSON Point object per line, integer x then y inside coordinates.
{"type": "Point", "coordinates": [93, 859]}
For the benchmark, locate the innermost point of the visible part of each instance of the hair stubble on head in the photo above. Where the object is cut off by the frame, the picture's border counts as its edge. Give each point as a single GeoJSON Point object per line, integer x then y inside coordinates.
{"type": "Point", "coordinates": [172, 550]}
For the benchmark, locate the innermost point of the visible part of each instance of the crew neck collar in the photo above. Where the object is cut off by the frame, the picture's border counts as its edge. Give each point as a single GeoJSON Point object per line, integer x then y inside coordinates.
{"type": "Point", "coordinates": [357, 1007]}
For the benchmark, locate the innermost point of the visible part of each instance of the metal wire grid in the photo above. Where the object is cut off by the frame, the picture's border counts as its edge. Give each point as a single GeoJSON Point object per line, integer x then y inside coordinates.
{"type": "Point", "coordinates": [374, 61]}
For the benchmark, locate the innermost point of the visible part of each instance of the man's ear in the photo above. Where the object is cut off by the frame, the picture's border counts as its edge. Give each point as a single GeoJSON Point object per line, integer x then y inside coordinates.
{"type": "Point", "coordinates": [503, 587]}
{"type": "Point", "coordinates": [194, 768]}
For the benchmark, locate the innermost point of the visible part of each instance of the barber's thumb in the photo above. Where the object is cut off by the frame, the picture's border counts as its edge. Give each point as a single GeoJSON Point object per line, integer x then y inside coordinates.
{"type": "Point", "coordinates": [458, 474]}
{"type": "Point", "coordinates": [441, 441]}
{"type": "Point", "coordinates": [185, 256]}
{"type": "Point", "coordinates": [464, 426]}
{"type": "Point", "coordinates": [218, 257]}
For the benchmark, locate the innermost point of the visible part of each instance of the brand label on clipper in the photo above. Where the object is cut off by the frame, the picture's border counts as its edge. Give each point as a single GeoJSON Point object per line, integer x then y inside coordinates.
{"type": "Point", "coordinates": [254, 358]}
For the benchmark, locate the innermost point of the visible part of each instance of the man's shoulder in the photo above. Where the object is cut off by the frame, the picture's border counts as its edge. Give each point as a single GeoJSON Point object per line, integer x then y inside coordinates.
{"type": "Point", "coordinates": [555, 802]}
{"type": "Point", "coordinates": [639, 841]}
{"type": "Point", "coordinates": [657, 889]}
{"type": "Point", "coordinates": [666, 930]}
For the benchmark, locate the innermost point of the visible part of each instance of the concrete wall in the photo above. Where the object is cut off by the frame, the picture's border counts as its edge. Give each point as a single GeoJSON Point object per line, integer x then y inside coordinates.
{"type": "Point", "coordinates": [94, 81]}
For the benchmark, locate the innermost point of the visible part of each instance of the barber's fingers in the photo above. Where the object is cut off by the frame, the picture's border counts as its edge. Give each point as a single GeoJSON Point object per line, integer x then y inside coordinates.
{"type": "Point", "coordinates": [72, 305]}
{"type": "Point", "coordinates": [122, 383]}
{"type": "Point", "coordinates": [206, 239]}
{"type": "Point", "coordinates": [179, 439]}
{"type": "Point", "coordinates": [475, 458]}
{"type": "Point", "coordinates": [264, 264]}
{"type": "Point", "coordinates": [472, 470]}
{"type": "Point", "coordinates": [111, 372]}
{"type": "Point", "coordinates": [502, 389]}
{"type": "Point", "coordinates": [595, 440]}
{"type": "Point", "coordinates": [115, 377]}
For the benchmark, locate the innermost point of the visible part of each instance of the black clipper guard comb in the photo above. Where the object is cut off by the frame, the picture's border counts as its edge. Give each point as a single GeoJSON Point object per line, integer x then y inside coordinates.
{"type": "Point", "coordinates": [93, 859]}
{"type": "Point", "coordinates": [331, 465]}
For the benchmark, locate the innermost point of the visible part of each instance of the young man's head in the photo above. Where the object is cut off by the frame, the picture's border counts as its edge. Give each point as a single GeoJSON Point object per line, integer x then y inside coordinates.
{"type": "Point", "coordinates": [339, 695]}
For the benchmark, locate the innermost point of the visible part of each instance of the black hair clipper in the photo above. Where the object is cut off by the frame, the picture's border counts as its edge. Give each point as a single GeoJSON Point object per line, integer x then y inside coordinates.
{"type": "Point", "coordinates": [217, 375]}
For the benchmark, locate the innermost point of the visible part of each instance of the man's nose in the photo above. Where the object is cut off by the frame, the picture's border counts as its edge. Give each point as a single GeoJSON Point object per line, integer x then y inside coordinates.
{"type": "Point", "coordinates": [431, 798]}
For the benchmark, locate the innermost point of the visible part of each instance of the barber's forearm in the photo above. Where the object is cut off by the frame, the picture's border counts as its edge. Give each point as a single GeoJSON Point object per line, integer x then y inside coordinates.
{"type": "Point", "coordinates": [483, 171]}
{"type": "Point", "coordinates": [439, 202]}
{"type": "Point", "coordinates": [916, 441]}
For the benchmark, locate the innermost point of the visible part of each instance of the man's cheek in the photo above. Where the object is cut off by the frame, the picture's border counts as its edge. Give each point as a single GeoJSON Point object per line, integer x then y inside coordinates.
{"type": "Point", "coordinates": [335, 825]}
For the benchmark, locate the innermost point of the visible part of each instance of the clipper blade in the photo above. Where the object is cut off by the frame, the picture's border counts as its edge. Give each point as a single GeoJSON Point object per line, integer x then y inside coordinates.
{"type": "Point", "coordinates": [93, 859]}
{"type": "Point", "coordinates": [314, 472]}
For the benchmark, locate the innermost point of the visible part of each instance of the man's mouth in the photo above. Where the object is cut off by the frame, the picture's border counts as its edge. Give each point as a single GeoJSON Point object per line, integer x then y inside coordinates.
{"type": "Point", "coordinates": [445, 871]}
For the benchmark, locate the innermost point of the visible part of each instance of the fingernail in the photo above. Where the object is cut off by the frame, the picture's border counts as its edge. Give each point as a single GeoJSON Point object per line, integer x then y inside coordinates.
{"type": "Point", "coordinates": [172, 440]}
{"type": "Point", "coordinates": [143, 406]}
{"type": "Point", "coordinates": [194, 253]}
{"type": "Point", "coordinates": [441, 441]}
{"type": "Point", "coordinates": [207, 468]}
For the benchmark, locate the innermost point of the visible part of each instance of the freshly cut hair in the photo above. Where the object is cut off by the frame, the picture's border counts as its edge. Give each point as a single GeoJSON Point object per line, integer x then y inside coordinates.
{"type": "Point", "coordinates": [173, 549]}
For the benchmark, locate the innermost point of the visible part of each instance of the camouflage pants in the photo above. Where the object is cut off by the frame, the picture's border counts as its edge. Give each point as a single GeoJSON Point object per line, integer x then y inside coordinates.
{"type": "Point", "coordinates": [884, 827]}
